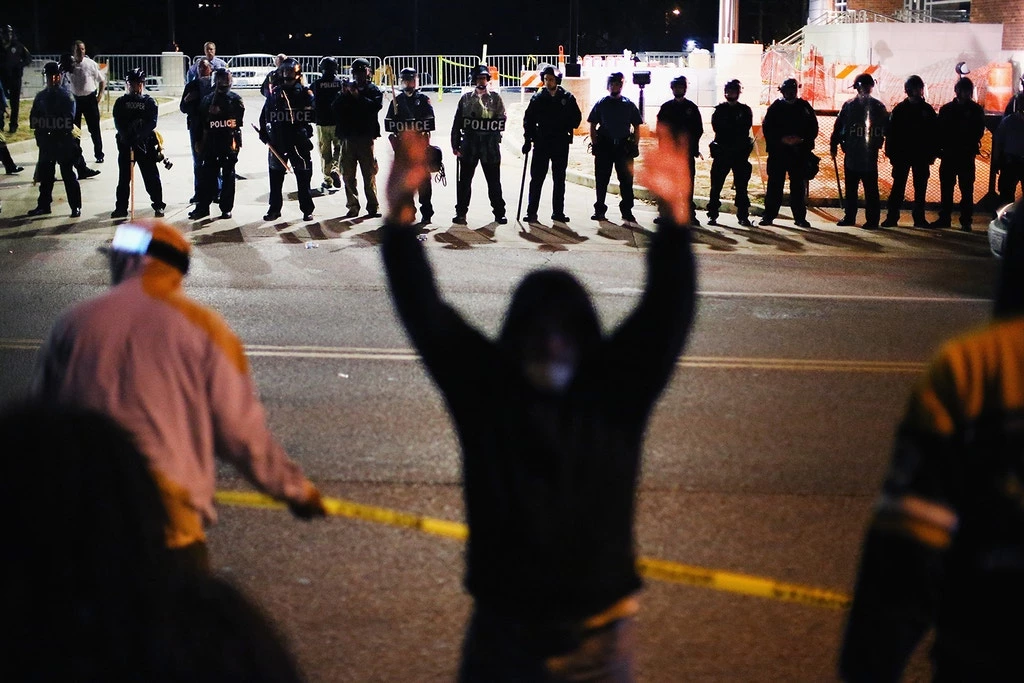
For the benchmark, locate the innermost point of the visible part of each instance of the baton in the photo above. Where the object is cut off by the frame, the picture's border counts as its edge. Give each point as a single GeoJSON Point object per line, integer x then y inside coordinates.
{"type": "Point", "coordinates": [273, 151]}
{"type": "Point", "coordinates": [131, 182]}
{"type": "Point", "coordinates": [522, 184]}
{"type": "Point", "coordinates": [835, 165]}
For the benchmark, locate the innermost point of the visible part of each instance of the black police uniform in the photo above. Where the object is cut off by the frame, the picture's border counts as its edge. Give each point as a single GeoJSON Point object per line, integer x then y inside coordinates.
{"type": "Point", "coordinates": [135, 120]}
{"type": "Point", "coordinates": [910, 146]}
{"type": "Point", "coordinates": [221, 115]}
{"type": "Point", "coordinates": [730, 153]}
{"type": "Point", "coordinates": [1008, 155]}
{"type": "Point", "coordinates": [476, 134]}
{"type": "Point", "coordinates": [52, 118]}
{"type": "Point", "coordinates": [860, 131]}
{"type": "Point", "coordinates": [614, 117]}
{"type": "Point", "coordinates": [548, 125]}
{"type": "Point", "coordinates": [191, 97]}
{"type": "Point", "coordinates": [784, 119]}
{"type": "Point", "coordinates": [14, 57]}
{"type": "Point", "coordinates": [683, 118]}
{"type": "Point", "coordinates": [286, 124]}
{"type": "Point", "coordinates": [960, 129]}
{"type": "Point", "coordinates": [413, 112]}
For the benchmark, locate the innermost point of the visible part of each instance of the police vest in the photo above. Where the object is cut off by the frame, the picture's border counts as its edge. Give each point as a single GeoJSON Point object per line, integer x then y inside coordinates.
{"type": "Point", "coordinates": [483, 125]}
{"type": "Point", "coordinates": [418, 126]}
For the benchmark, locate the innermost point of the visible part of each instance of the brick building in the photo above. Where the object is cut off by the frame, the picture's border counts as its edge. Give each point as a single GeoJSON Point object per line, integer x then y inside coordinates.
{"type": "Point", "coordinates": [1009, 13]}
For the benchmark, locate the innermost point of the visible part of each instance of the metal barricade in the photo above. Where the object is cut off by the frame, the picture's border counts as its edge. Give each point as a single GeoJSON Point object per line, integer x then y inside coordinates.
{"type": "Point", "coordinates": [512, 69]}
{"type": "Point", "coordinates": [32, 80]}
{"type": "Point", "coordinates": [438, 73]}
{"type": "Point", "coordinates": [116, 67]}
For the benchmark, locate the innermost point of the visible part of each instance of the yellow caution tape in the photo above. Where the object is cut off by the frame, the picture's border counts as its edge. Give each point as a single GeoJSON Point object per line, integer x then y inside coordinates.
{"type": "Point", "coordinates": [657, 570]}
{"type": "Point", "coordinates": [445, 60]}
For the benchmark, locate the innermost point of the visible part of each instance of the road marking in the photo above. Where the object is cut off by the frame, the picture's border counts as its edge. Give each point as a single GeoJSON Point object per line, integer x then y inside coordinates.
{"type": "Point", "coordinates": [718, 362]}
{"type": "Point", "coordinates": [651, 568]}
{"type": "Point", "coordinates": [846, 297]}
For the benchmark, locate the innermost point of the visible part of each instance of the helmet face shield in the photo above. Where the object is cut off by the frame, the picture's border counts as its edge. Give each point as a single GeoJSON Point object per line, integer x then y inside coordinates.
{"type": "Point", "coordinates": [289, 70]}
{"type": "Point", "coordinates": [222, 80]}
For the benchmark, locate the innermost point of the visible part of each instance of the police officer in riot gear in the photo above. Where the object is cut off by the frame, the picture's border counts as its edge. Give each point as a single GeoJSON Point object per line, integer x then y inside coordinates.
{"type": "Point", "coordinates": [135, 115]}
{"type": "Point", "coordinates": [961, 126]}
{"type": "Point", "coordinates": [325, 91]}
{"type": "Point", "coordinates": [789, 128]}
{"type": "Point", "coordinates": [730, 153]}
{"type": "Point", "coordinates": [860, 131]}
{"type": "Point", "coordinates": [357, 109]}
{"type": "Point", "coordinates": [286, 126]}
{"type": "Point", "coordinates": [52, 119]}
{"type": "Point", "coordinates": [551, 117]}
{"type": "Point", "coordinates": [411, 110]}
{"type": "Point", "coordinates": [476, 138]}
{"type": "Point", "coordinates": [220, 116]}
{"type": "Point", "coordinates": [683, 118]}
{"type": "Point", "coordinates": [910, 146]}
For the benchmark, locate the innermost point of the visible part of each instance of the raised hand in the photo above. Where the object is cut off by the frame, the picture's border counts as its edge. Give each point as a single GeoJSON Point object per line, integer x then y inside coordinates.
{"type": "Point", "coordinates": [407, 174]}
{"type": "Point", "coordinates": [666, 173]}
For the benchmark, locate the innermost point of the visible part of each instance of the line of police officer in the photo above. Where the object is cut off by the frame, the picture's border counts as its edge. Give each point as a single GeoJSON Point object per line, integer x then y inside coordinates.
{"type": "Point", "coordinates": [346, 114]}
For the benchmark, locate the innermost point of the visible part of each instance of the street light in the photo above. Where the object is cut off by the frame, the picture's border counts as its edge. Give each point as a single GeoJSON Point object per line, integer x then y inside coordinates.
{"type": "Point", "coordinates": [671, 14]}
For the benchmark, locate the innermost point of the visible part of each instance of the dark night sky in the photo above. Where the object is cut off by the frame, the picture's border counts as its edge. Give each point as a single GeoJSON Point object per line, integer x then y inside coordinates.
{"type": "Point", "coordinates": [384, 27]}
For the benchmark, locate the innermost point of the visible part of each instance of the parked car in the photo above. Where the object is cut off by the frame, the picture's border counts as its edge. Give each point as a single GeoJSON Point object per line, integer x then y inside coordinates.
{"type": "Point", "coordinates": [250, 70]}
{"type": "Point", "coordinates": [997, 229]}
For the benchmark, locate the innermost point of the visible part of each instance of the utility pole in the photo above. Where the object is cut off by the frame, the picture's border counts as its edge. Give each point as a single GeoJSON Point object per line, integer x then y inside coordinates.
{"type": "Point", "coordinates": [728, 21]}
{"type": "Point", "coordinates": [572, 67]}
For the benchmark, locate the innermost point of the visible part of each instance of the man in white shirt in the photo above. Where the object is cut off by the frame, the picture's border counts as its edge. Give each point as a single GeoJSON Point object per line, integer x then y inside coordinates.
{"type": "Point", "coordinates": [210, 54]}
{"type": "Point", "coordinates": [87, 85]}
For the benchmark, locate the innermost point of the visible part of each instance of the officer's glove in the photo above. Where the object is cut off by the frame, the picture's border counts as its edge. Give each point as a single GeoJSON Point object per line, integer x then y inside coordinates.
{"type": "Point", "coordinates": [312, 507]}
{"type": "Point", "coordinates": [834, 150]}
{"type": "Point", "coordinates": [527, 146]}
{"type": "Point", "coordinates": [265, 135]}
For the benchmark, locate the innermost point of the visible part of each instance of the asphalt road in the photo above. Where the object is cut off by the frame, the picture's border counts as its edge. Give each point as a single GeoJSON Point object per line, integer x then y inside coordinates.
{"type": "Point", "coordinates": [763, 457]}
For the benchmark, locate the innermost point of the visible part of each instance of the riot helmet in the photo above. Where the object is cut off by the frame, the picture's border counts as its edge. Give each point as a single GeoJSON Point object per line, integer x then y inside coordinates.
{"type": "Point", "coordinates": [407, 74]}
{"type": "Point", "coordinates": [290, 70]}
{"type": "Point", "coordinates": [481, 70]}
{"type": "Point", "coordinates": [136, 75]}
{"type": "Point", "coordinates": [862, 82]}
{"type": "Point", "coordinates": [222, 80]}
{"type": "Point", "coordinates": [914, 82]}
{"type": "Point", "coordinates": [51, 73]}
{"type": "Point", "coordinates": [328, 66]}
{"type": "Point", "coordinates": [360, 65]}
{"type": "Point", "coordinates": [551, 71]}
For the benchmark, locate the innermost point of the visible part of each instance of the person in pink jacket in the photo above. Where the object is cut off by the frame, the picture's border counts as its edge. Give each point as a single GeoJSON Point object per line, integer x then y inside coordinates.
{"type": "Point", "coordinates": [173, 374]}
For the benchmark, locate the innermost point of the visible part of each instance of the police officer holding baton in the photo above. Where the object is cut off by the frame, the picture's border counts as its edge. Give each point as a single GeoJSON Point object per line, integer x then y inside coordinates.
{"type": "Point", "coordinates": [135, 115]}
{"type": "Point", "coordinates": [411, 111]}
{"type": "Point", "coordinates": [286, 126]}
